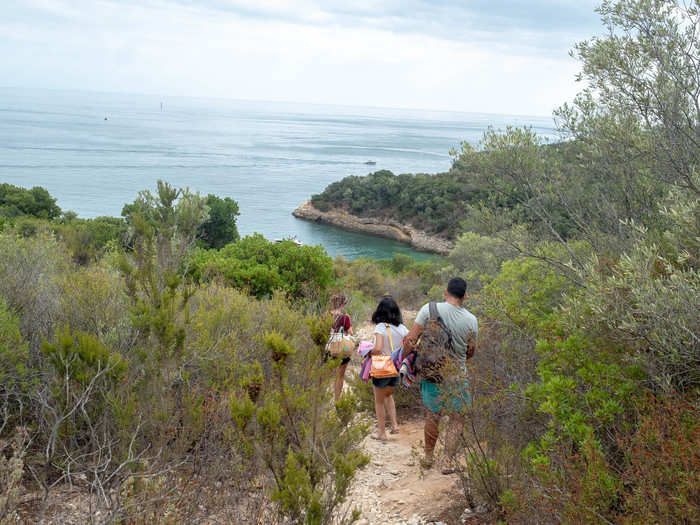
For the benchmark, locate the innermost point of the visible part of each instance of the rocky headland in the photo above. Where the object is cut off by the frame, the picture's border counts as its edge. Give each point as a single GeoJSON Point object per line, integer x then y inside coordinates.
{"type": "Point", "coordinates": [387, 228]}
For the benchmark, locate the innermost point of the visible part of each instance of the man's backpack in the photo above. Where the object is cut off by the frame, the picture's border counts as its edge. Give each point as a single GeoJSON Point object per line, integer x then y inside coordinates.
{"type": "Point", "coordinates": [434, 347]}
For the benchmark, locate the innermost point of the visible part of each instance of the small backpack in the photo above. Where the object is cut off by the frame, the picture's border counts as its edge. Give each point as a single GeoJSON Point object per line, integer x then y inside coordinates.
{"type": "Point", "coordinates": [434, 347]}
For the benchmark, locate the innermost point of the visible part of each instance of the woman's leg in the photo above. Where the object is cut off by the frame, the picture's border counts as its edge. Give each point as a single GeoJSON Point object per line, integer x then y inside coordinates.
{"type": "Point", "coordinates": [340, 378]}
{"type": "Point", "coordinates": [391, 408]}
{"type": "Point", "coordinates": [381, 413]}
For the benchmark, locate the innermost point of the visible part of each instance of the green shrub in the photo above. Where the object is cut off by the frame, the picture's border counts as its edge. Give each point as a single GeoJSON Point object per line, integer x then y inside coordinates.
{"type": "Point", "coordinates": [15, 371]}
{"type": "Point", "coordinates": [220, 228]}
{"type": "Point", "coordinates": [37, 202]}
{"type": "Point", "coordinates": [262, 267]}
{"type": "Point", "coordinates": [87, 239]}
{"type": "Point", "coordinates": [309, 446]}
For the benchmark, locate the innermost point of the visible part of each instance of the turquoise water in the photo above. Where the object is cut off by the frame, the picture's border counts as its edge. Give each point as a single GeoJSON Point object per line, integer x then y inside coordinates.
{"type": "Point", "coordinates": [270, 157]}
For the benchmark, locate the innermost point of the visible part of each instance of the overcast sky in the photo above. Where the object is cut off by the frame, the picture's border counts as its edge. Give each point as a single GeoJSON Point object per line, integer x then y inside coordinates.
{"type": "Point", "coordinates": [498, 56]}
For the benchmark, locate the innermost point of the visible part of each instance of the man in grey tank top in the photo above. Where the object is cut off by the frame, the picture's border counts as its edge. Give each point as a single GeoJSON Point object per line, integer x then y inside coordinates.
{"type": "Point", "coordinates": [451, 395]}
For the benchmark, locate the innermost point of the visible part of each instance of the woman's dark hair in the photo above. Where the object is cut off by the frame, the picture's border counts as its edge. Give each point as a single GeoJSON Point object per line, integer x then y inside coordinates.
{"type": "Point", "coordinates": [387, 312]}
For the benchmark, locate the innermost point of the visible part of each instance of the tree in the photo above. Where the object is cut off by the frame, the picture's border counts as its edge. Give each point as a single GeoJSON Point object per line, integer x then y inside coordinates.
{"type": "Point", "coordinates": [643, 80]}
{"type": "Point", "coordinates": [37, 202]}
{"type": "Point", "coordinates": [220, 229]}
{"type": "Point", "coordinates": [164, 227]}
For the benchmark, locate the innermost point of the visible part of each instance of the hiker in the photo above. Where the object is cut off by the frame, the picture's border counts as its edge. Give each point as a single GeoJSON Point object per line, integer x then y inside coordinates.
{"type": "Point", "coordinates": [446, 391]}
{"type": "Point", "coordinates": [388, 337]}
{"type": "Point", "coordinates": [340, 320]}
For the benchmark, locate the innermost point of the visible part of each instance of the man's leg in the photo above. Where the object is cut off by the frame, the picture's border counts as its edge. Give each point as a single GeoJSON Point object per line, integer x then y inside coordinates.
{"type": "Point", "coordinates": [431, 431]}
{"type": "Point", "coordinates": [431, 401]}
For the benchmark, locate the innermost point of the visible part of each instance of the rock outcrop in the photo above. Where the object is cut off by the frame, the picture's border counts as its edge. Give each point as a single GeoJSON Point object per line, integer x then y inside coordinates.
{"type": "Point", "coordinates": [388, 228]}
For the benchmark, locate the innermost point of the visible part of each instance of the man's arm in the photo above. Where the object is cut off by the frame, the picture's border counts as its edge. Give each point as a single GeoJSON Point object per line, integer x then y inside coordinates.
{"type": "Point", "coordinates": [471, 345]}
{"type": "Point", "coordinates": [411, 339]}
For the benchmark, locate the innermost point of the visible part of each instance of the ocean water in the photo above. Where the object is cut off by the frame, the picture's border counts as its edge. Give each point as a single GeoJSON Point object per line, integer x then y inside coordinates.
{"type": "Point", "coordinates": [95, 151]}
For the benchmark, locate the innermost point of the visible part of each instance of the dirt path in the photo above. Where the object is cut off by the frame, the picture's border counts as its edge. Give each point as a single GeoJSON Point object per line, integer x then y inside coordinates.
{"type": "Point", "coordinates": [392, 489]}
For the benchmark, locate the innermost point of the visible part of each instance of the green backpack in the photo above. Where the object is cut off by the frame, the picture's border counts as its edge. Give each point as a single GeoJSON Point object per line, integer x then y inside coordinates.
{"type": "Point", "coordinates": [434, 347]}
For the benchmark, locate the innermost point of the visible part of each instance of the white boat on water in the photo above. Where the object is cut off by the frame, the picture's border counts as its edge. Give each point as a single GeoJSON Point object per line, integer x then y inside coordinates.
{"type": "Point", "coordinates": [292, 238]}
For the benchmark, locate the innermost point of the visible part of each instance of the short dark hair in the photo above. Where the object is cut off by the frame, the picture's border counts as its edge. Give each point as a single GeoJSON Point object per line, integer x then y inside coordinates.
{"type": "Point", "coordinates": [387, 312]}
{"type": "Point", "coordinates": [457, 287]}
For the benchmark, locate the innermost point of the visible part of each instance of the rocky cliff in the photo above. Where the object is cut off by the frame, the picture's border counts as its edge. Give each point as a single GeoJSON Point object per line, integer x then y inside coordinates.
{"type": "Point", "coordinates": [388, 228]}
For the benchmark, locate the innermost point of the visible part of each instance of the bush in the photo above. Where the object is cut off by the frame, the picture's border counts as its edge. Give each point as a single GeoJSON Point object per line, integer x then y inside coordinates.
{"type": "Point", "coordinates": [406, 280]}
{"type": "Point", "coordinates": [37, 202]}
{"type": "Point", "coordinates": [312, 452]}
{"type": "Point", "coordinates": [30, 270]}
{"type": "Point", "coordinates": [87, 239]}
{"type": "Point", "coordinates": [220, 228]}
{"type": "Point", "coordinates": [478, 258]}
{"type": "Point", "coordinates": [662, 475]}
{"type": "Point", "coordinates": [15, 371]}
{"type": "Point", "coordinates": [262, 267]}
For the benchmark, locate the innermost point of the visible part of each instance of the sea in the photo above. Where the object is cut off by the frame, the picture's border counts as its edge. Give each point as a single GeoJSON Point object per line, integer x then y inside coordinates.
{"type": "Point", "coordinates": [95, 151]}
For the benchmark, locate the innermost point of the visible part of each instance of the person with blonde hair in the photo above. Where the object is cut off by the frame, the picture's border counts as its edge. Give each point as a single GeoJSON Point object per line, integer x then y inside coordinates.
{"type": "Point", "coordinates": [341, 321]}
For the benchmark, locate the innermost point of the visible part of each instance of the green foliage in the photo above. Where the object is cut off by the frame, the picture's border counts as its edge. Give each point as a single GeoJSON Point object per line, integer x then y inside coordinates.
{"type": "Point", "coordinates": [165, 226]}
{"type": "Point", "coordinates": [430, 202]}
{"type": "Point", "coordinates": [526, 294]}
{"type": "Point", "coordinates": [15, 369]}
{"type": "Point", "coordinates": [157, 376]}
{"type": "Point", "coordinates": [478, 258]}
{"type": "Point", "coordinates": [278, 346]}
{"type": "Point", "coordinates": [309, 446]}
{"type": "Point", "coordinates": [37, 202]}
{"type": "Point", "coordinates": [87, 239]}
{"type": "Point", "coordinates": [407, 280]}
{"type": "Point", "coordinates": [220, 228]}
{"type": "Point", "coordinates": [11, 470]}
{"type": "Point", "coordinates": [13, 349]}
{"type": "Point", "coordinates": [639, 108]}
{"type": "Point", "coordinates": [29, 271]}
{"type": "Point", "coordinates": [262, 267]}
{"type": "Point", "coordinates": [81, 357]}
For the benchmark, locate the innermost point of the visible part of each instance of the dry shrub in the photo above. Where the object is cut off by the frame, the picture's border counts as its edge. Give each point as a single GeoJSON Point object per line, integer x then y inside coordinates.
{"type": "Point", "coordinates": [29, 272]}
{"type": "Point", "coordinates": [663, 474]}
{"type": "Point", "coordinates": [12, 454]}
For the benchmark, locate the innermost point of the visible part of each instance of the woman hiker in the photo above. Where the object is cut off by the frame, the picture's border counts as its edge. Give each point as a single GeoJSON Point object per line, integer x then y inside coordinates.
{"type": "Point", "coordinates": [340, 320]}
{"type": "Point", "coordinates": [389, 333]}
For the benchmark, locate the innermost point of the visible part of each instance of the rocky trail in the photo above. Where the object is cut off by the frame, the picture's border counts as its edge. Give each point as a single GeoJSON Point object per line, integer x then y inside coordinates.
{"type": "Point", "coordinates": [393, 489]}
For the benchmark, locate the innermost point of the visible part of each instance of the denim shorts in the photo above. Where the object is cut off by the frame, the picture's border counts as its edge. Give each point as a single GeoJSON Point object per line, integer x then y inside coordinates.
{"type": "Point", "coordinates": [384, 382]}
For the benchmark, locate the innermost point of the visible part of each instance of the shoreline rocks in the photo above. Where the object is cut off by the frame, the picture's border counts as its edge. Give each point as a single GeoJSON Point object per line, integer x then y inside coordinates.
{"type": "Point", "coordinates": [386, 228]}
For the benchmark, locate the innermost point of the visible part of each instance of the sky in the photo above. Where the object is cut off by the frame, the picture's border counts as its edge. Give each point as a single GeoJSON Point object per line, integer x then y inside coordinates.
{"type": "Point", "coordinates": [491, 56]}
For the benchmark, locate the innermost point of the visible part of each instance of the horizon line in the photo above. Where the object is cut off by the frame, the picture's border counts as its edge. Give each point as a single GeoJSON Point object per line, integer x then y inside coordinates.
{"type": "Point", "coordinates": [233, 99]}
